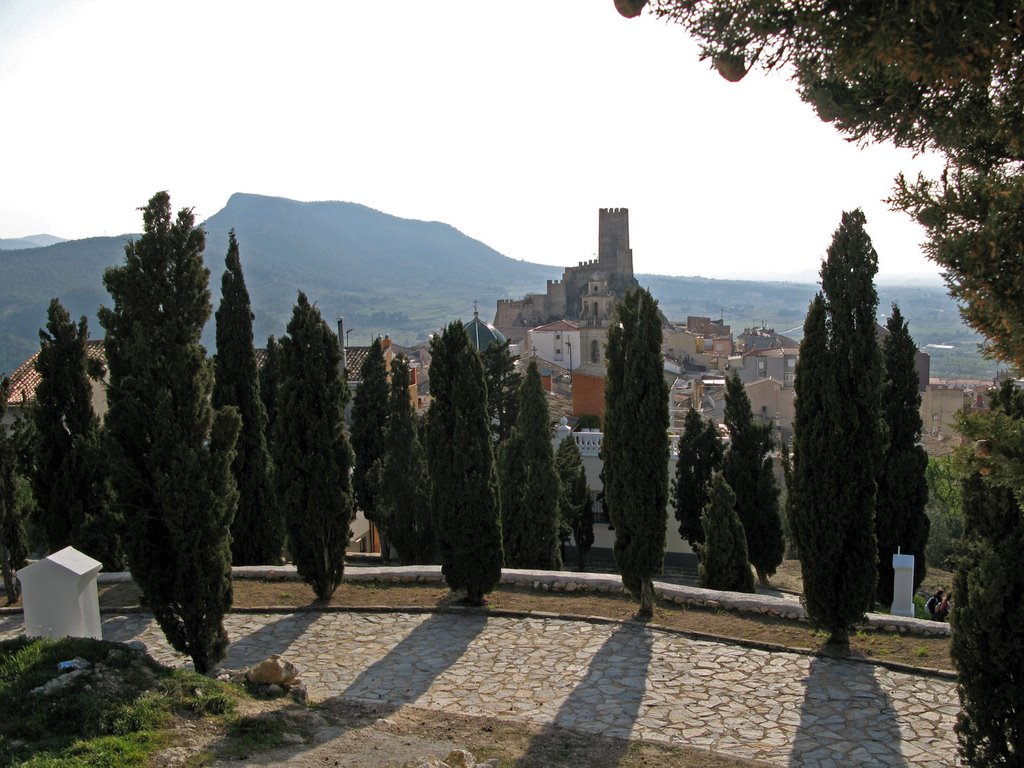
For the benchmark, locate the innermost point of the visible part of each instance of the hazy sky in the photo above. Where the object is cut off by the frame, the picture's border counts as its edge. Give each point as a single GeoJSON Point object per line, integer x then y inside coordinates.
{"type": "Point", "coordinates": [513, 122]}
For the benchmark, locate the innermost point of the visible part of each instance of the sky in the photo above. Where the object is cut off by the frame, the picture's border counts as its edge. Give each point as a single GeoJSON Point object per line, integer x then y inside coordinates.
{"type": "Point", "coordinates": [512, 122]}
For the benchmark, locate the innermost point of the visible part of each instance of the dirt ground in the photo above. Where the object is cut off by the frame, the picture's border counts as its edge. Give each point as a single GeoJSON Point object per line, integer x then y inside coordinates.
{"type": "Point", "coordinates": [351, 735]}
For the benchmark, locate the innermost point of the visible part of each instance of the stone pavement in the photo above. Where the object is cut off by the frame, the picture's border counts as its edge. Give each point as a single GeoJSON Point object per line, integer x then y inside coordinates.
{"type": "Point", "coordinates": [619, 679]}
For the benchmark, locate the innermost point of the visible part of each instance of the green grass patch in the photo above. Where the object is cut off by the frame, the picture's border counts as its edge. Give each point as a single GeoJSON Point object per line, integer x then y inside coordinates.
{"type": "Point", "coordinates": [252, 736]}
{"type": "Point", "coordinates": [108, 715]}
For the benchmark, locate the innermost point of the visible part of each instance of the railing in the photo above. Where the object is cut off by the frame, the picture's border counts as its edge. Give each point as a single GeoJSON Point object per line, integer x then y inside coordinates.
{"type": "Point", "coordinates": [589, 443]}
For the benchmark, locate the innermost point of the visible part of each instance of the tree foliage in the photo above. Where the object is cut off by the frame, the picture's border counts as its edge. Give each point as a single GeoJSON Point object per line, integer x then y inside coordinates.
{"type": "Point", "coordinates": [269, 380]}
{"type": "Point", "coordinates": [13, 504]}
{"type": "Point", "coordinates": [900, 520]}
{"type": "Point", "coordinates": [257, 532]}
{"type": "Point", "coordinates": [747, 469]}
{"type": "Point", "coordinates": [575, 507]}
{"type": "Point", "coordinates": [403, 502]}
{"type": "Point", "coordinates": [71, 479]}
{"type": "Point", "coordinates": [369, 419]}
{"type": "Point", "coordinates": [837, 441]}
{"type": "Point", "coordinates": [945, 509]}
{"type": "Point", "coordinates": [724, 562]}
{"type": "Point", "coordinates": [171, 451]}
{"type": "Point", "coordinates": [503, 383]}
{"type": "Point", "coordinates": [314, 457]}
{"type": "Point", "coordinates": [923, 75]}
{"type": "Point", "coordinates": [635, 446]}
{"type": "Point", "coordinates": [700, 455]}
{"type": "Point", "coordinates": [460, 459]}
{"type": "Point", "coordinates": [988, 630]}
{"type": "Point", "coordinates": [529, 483]}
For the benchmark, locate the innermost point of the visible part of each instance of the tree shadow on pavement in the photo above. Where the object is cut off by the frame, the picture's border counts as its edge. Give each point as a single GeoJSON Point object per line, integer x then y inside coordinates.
{"type": "Point", "coordinates": [270, 638]}
{"type": "Point", "coordinates": [412, 666]}
{"type": "Point", "coordinates": [607, 701]}
{"type": "Point", "coordinates": [846, 719]}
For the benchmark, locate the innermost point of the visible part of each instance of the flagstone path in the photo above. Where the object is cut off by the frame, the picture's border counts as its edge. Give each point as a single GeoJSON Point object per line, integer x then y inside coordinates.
{"type": "Point", "coordinates": [617, 679]}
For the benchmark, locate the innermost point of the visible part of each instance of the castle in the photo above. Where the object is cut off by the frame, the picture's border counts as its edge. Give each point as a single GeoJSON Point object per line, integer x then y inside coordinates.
{"type": "Point", "coordinates": [586, 293]}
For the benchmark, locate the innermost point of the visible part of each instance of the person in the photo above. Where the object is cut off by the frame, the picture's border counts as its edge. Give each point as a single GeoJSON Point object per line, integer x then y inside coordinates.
{"type": "Point", "coordinates": [938, 606]}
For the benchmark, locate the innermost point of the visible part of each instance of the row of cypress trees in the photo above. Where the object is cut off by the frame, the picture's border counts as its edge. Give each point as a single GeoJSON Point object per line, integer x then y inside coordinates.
{"type": "Point", "coordinates": [858, 476]}
{"type": "Point", "coordinates": [857, 487]}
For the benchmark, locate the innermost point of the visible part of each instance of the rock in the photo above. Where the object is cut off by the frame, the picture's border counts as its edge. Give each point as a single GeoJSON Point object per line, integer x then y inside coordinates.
{"type": "Point", "coordinates": [275, 690]}
{"type": "Point", "coordinates": [460, 758]}
{"type": "Point", "coordinates": [58, 683]}
{"type": "Point", "coordinates": [299, 694]}
{"type": "Point", "coordinates": [571, 586]}
{"type": "Point", "coordinates": [274, 670]}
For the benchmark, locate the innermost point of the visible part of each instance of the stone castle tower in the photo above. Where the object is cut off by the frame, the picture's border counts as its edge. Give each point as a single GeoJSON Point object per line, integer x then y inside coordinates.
{"type": "Point", "coordinates": [613, 251]}
{"type": "Point", "coordinates": [587, 292]}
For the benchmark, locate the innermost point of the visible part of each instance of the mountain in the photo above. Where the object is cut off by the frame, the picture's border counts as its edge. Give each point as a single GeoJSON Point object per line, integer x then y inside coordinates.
{"type": "Point", "coordinates": [384, 274]}
{"type": "Point", "coordinates": [32, 241]}
{"type": "Point", "coordinates": [406, 278]}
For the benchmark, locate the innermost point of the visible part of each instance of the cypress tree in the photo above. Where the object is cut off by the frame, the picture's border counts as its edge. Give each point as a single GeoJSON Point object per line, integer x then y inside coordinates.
{"type": "Point", "coordinates": [403, 504]}
{"type": "Point", "coordinates": [700, 455]}
{"type": "Point", "coordinates": [724, 563]}
{"type": "Point", "coordinates": [171, 450]}
{"type": "Point", "coordinates": [988, 632]}
{"type": "Point", "coordinates": [529, 483]}
{"type": "Point", "coordinates": [369, 419]}
{"type": "Point", "coordinates": [460, 459]}
{"type": "Point", "coordinates": [836, 437]}
{"type": "Point", "coordinates": [314, 457]}
{"type": "Point", "coordinates": [13, 492]}
{"type": "Point", "coordinates": [257, 532]}
{"type": "Point", "coordinates": [900, 519]}
{"type": "Point", "coordinates": [503, 383]}
{"type": "Point", "coordinates": [71, 480]}
{"type": "Point", "coordinates": [575, 507]}
{"type": "Point", "coordinates": [636, 445]}
{"type": "Point", "coordinates": [269, 376]}
{"type": "Point", "coordinates": [747, 469]}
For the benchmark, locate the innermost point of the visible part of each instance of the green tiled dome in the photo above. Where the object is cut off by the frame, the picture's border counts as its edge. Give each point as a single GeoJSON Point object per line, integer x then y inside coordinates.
{"type": "Point", "coordinates": [482, 333]}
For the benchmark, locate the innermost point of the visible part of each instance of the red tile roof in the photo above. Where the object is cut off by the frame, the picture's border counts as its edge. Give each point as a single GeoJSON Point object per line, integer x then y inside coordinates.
{"type": "Point", "coordinates": [26, 378]}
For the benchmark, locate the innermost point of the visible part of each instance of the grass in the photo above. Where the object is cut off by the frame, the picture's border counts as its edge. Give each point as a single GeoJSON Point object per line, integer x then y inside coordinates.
{"type": "Point", "coordinates": [111, 715]}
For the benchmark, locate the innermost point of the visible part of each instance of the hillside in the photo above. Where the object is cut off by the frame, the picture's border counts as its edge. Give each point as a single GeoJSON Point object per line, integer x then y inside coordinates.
{"type": "Point", "coordinates": [403, 277]}
{"type": "Point", "coordinates": [32, 241]}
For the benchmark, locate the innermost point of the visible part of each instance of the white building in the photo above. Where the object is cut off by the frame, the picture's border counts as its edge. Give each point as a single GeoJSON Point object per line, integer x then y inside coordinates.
{"type": "Point", "coordinates": [557, 342]}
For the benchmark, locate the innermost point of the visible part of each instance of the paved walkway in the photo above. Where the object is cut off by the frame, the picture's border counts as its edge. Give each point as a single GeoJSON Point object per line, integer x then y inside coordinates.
{"type": "Point", "coordinates": [615, 679]}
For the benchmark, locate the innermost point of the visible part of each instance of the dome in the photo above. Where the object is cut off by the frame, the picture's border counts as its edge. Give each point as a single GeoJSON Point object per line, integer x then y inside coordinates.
{"type": "Point", "coordinates": [482, 333]}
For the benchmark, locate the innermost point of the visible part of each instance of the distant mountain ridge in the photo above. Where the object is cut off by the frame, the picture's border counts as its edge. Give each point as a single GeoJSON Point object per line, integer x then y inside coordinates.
{"type": "Point", "coordinates": [384, 274]}
{"type": "Point", "coordinates": [32, 241]}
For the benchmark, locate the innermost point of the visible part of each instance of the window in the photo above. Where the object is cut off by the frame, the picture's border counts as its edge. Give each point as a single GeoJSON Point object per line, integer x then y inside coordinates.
{"type": "Point", "coordinates": [595, 351]}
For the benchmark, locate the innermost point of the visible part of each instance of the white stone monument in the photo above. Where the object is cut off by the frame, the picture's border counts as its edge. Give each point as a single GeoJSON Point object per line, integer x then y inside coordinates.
{"type": "Point", "coordinates": [902, 585]}
{"type": "Point", "coordinates": [59, 595]}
